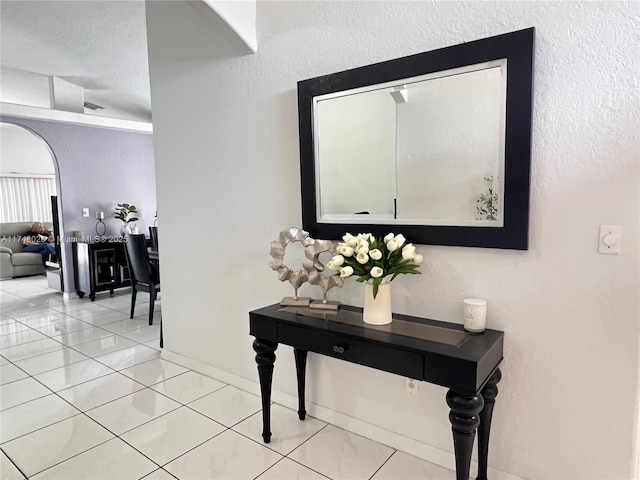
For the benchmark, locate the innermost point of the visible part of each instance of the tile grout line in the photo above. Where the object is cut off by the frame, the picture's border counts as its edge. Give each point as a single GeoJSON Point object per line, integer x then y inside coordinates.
{"type": "Point", "coordinates": [62, 398]}
{"type": "Point", "coordinates": [160, 466]}
{"type": "Point", "coordinates": [135, 343]}
{"type": "Point", "coordinates": [13, 463]}
{"type": "Point", "coordinates": [72, 405]}
{"type": "Point", "coordinates": [383, 464]}
{"type": "Point", "coordinates": [88, 357]}
{"type": "Point", "coordinates": [180, 405]}
{"type": "Point", "coordinates": [84, 412]}
{"type": "Point", "coordinates": [72, 346]}
{"type": "Point", "coordinates": [312, 469]}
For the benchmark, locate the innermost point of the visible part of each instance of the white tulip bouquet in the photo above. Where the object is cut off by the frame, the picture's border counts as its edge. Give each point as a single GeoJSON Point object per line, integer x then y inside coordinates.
{"type": "Point", "coordinates": [374, 259]}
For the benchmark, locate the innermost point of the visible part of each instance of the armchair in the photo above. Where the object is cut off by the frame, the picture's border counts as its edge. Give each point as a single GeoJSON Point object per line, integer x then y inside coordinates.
{"type": "Point", "coordinates": [13, 261]}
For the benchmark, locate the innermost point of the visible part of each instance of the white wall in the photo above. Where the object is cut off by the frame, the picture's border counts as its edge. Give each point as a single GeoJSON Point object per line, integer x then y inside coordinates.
{"type": "Point", "coordinates": [21, 151]}
{"type": "Point", "coordinates": [226, 126]}
{"type": "Point", "coordinates": [24, 88]}
{"type": "Point", "coordinates": [240, 15]}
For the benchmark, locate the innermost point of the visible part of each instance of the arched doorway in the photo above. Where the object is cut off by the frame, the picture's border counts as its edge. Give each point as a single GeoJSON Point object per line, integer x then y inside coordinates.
{"type": "Point", "coordinates": [29, 183]}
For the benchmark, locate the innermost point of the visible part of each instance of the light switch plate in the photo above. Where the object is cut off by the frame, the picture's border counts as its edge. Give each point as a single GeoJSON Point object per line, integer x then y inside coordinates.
{"type": "Point", "coordinates": [609, 239]}
{"type": "Point", "coordinates": [85, 212]}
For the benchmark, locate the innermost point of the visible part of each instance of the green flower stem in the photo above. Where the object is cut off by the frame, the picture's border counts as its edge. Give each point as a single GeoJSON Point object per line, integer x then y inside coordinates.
{"type": "Point", "coordinates": [391, 263]}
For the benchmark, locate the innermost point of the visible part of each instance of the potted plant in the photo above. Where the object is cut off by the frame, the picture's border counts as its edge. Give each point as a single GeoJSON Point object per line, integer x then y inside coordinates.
{"type": "Point", "coordinates": [123, 212]}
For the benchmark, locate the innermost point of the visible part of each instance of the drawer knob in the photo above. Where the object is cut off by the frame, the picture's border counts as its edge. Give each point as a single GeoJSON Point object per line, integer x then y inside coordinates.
{"type": "Point", "coordinates": [341, 348]}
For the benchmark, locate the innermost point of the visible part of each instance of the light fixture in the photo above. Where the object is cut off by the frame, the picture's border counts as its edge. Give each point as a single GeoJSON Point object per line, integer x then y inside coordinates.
{"type": "Point", "coordinates": [93, 106]}
{"type": "Point", "coordinates": [400, 94]}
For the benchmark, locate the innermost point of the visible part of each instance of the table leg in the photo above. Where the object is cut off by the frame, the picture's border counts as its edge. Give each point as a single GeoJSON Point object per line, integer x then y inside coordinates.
{"type": "Point", "coordinates": [301, 366]}
{"type": "Point", "coordinates": [489, 393]}
{"type": "Point", "coordinates": [464, 422]}
{"type": "Point", "coordinates": [265, 358]}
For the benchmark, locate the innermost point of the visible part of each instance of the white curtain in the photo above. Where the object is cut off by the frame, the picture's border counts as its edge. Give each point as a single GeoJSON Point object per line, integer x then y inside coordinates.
{"type": "Point", "coordinates": [26, 198]}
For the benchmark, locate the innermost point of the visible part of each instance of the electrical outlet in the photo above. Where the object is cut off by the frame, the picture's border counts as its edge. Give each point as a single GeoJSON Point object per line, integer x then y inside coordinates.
{"type": "Point", "coordinates": [411, 386]}
{"type": "Point", "coordinates": [85, 212]}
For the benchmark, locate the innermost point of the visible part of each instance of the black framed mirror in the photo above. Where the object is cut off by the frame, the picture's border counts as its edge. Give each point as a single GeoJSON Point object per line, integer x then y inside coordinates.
{"type": "Point", "coordinates": [435, 146]}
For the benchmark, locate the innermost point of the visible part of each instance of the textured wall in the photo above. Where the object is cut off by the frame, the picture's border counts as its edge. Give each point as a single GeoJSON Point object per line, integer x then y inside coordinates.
{"type": "Point", "coordinates": [227, 126]}
{"type": "Point", "coordinates": [97, 168]}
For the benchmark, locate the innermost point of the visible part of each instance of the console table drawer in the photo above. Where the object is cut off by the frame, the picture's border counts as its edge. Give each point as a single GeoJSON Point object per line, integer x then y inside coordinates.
{"type": "Point", "coordinates": [394, 360]}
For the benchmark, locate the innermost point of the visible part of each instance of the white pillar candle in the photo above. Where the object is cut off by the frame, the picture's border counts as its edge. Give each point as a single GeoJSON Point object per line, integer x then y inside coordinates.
{"type": "Point", "coordinates": [475, 314]}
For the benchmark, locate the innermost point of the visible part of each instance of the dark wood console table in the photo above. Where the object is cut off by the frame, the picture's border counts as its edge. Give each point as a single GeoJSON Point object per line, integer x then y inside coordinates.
{"type": "Point", "coordinates": [99, 266]}
{"type": "Point", "coordinates": [432, 351]}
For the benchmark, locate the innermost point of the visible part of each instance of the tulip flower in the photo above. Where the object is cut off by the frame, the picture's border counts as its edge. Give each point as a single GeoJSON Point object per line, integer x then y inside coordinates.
{"type": "Point", "coordinates": [349, 239]}
{"type": "Point", "coordinates": [375, 254]}
{"type": "Point", "coordinates": [362, 258]}
{"type": "Point", "coordinates": [335, 263]}
{"type": "Point", "coordinates": [367, 257]}
{"type": "Point", "coordinates": [346, 272]}
{"type": "Point", "coordinates": [376, 272]}
{"type": "Point", "coordinates": [408, 251]}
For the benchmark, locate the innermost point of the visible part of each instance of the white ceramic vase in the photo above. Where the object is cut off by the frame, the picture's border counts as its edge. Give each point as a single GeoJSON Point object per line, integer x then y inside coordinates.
{"type": "Point", "coordinates": [377, 311]}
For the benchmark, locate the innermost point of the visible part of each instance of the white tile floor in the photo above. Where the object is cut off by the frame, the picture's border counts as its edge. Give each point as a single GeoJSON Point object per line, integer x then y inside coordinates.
{"type": "Point", "coordinates": [84, 394]}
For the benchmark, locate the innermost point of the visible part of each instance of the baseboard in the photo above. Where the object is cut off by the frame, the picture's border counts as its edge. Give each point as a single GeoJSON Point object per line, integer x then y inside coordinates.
{"type": "Point", "coordinates": [408, 445]}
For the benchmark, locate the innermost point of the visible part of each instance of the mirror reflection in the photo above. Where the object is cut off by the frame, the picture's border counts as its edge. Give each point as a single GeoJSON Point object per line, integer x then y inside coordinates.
{"type": "Point", "coordinates": [423, 150]}
{"type": "Point", "coordinates": [435, 145]}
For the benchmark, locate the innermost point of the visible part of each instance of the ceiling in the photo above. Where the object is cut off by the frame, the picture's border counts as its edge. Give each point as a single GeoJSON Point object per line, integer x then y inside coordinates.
{"type": "Point", "coordinates": [98, 45]}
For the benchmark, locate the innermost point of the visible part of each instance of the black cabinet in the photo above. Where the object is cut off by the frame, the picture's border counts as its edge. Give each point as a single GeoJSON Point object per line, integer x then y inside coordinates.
{"type": "Point", "coordinates": [99, 267]}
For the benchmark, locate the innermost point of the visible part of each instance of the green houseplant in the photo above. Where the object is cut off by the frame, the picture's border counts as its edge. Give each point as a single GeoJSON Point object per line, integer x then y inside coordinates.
{"type": "Point", "coordinates": [123, 212]}
{"type": "Point", "coordinates": [487, 208]}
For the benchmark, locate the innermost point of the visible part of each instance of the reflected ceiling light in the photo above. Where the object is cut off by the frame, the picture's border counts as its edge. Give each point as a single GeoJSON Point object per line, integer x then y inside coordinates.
{"type": "Point", "coordinates": [400, 94]}
{"type": "Point", "coordinates": [93, 106]}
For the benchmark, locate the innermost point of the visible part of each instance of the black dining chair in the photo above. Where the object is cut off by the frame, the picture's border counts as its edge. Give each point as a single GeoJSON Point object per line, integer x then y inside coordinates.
{"type": "Point", "coordinates": [143, 273]}
{"type": "Point", "coordinates": [153, 234]}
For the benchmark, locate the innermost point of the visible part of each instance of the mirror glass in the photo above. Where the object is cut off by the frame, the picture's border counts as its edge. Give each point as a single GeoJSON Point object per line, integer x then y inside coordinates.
{"type": "Point", "coordinates": [421, 150]}
{"type": "Point", "coordinates": [436, 146]}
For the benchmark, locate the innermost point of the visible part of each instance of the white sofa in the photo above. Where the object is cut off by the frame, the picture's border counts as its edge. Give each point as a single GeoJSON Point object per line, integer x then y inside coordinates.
{"type": "Point", "coordinates": [13, 261]}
